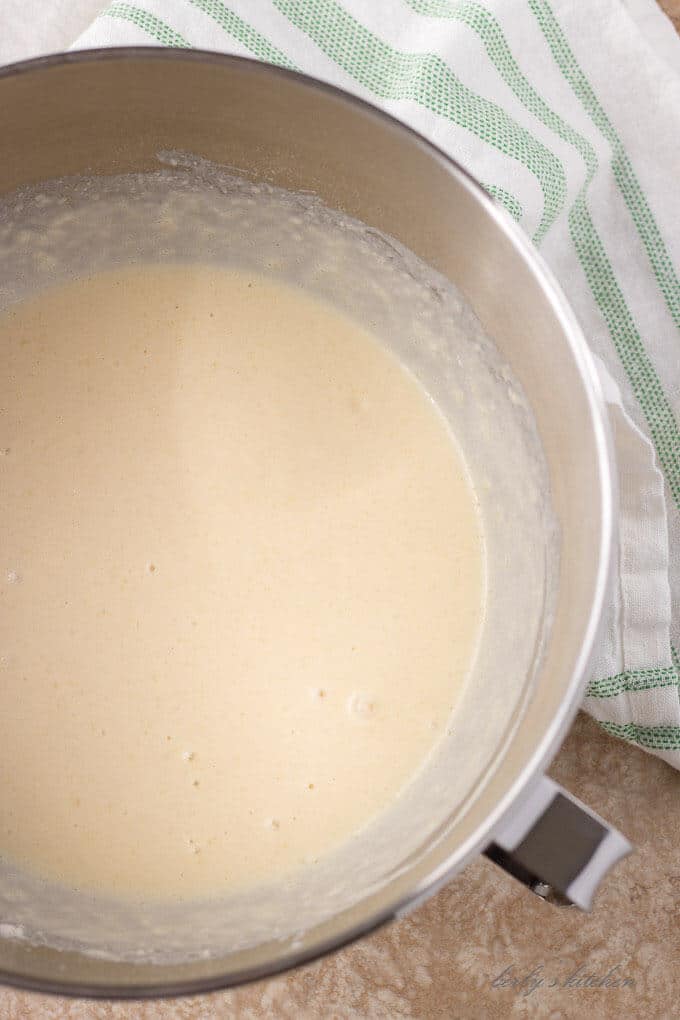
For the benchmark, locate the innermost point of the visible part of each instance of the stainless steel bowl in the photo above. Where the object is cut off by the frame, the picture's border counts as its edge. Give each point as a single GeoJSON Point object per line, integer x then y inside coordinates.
{"type": "Point", "coordinates": [111, 111]}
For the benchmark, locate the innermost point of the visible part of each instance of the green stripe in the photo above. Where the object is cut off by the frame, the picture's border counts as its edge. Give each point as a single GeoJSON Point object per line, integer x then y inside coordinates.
{"type": "Point", "coordinates": [637, 364]}
{"type": "Point", "coordinates": [148, 22]}
{"type": "Point", "coordinates": [426, 79]}
{"type": "Point", "coordinates": [656, 738]}
{"type": "Point", "coordinates": [639, 368]}
{"type": "Point", "coordinates": [622, 167]}
{"type": "Point", "coordinates": [506, 199]}
{"type": "Point", "coordinates": [249, 37]}
{"type": "Point", "coordinates": [633, 680]}
{"type": "Point", "coordinates": [487, 27]}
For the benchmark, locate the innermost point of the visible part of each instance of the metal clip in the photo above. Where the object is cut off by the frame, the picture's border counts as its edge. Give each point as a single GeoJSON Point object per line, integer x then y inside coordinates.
{"type": "Point", "coordinates": [557, 846]}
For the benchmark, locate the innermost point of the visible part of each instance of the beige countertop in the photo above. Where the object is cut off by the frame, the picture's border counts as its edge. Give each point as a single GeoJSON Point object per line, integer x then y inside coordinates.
{"type": "Point", "coordinates": [457, 956]}
{"type": "Point", "coordinates": [672, 9]}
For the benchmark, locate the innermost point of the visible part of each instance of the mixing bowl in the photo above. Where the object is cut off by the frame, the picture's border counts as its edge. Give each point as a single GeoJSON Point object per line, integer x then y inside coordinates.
{"type": "Point", "coordinates": [112, 112]}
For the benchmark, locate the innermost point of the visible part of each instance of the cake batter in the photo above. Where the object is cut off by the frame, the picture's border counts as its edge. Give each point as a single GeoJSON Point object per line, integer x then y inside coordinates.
{"type": "Point", "coordinates": [242, 580]}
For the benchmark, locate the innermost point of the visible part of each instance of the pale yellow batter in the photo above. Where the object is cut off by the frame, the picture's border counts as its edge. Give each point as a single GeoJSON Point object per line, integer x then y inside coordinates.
{"type": "Point", "coordinates": [242, 580]}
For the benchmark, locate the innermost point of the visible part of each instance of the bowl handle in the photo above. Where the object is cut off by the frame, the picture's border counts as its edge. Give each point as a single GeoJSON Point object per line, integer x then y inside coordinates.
{"type": "Point", "coordinates": [557, 846]}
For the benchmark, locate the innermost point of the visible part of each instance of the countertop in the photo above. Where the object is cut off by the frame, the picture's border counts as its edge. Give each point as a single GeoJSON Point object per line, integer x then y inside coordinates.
{"type": "Point", "coordinates": [672, 9]}
{"type": "Point", "coordinates": [485, 948]}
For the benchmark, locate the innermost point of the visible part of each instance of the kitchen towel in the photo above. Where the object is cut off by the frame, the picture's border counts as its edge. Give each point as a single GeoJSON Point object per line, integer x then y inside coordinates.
{"type": "Point", "coordinates": [568, 112]}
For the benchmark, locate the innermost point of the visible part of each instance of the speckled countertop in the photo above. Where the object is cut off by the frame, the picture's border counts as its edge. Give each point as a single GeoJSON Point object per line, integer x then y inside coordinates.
{"type": "Point", "coordinates": [485, 948]}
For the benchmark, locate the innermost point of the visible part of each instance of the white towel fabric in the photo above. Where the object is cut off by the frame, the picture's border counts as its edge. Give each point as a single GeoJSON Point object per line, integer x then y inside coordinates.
{"type": "Point", "coordinates": [569, 113]}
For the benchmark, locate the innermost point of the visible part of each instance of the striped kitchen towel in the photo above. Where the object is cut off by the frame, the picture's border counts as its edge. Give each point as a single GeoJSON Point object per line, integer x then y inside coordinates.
{"type": "Point", "coordinates": [569, 112]}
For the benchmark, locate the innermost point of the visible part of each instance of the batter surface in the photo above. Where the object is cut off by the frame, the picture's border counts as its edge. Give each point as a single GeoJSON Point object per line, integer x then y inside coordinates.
{"type": "Point", "coordinates": [242, 580]}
